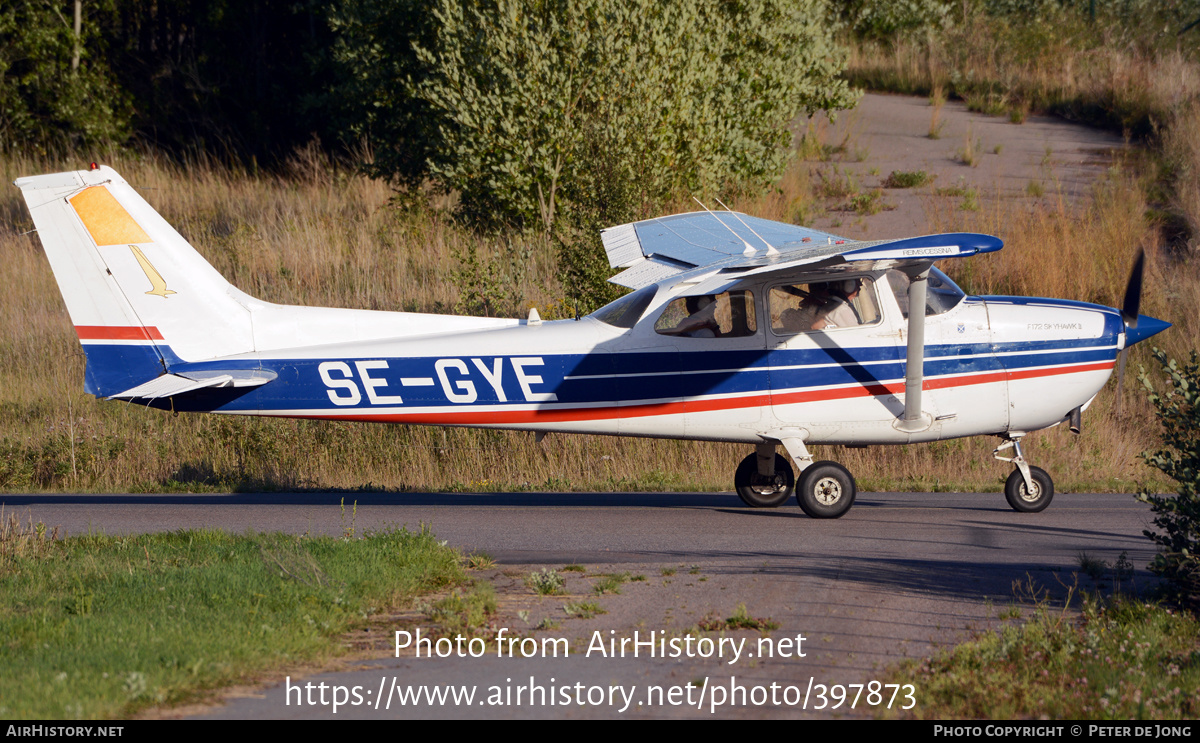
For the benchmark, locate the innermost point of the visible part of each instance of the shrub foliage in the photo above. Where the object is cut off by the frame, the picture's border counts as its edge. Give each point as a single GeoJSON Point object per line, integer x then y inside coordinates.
{"type": "Point", "coordinates": [1178, 515]}
{"type": "Point", "coordinates": [548, 108]}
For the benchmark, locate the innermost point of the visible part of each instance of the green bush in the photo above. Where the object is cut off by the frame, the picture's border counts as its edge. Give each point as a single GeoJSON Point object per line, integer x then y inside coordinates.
{"type": "Point", "coordinates": [1178, 515]}
{"type": "Point", "coordinates": [56, 91]}
{"type": "Point", "coordinates": [594, 109]}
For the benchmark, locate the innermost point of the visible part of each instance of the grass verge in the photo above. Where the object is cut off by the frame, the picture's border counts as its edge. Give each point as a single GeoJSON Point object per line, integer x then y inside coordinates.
{"type": "Point", "coordinates": [99, 627]}
{"type": "Point", "coordinates": [1122, 659]}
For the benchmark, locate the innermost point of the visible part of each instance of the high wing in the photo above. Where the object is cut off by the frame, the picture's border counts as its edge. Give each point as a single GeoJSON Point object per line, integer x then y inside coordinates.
{"type": "Point", "coordinates": [715, 249]}
{"type": "Point", "coordinates": [708, 253]}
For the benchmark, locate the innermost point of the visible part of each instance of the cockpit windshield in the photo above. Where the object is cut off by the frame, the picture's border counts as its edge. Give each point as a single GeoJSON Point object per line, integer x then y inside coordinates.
{"type": "Point", "coordinates": [942, 294]}
{"type": "Point", "coordinates": [626, 311]}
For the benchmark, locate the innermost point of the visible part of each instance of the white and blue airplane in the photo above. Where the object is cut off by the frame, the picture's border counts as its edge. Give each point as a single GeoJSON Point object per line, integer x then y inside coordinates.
{"type": "Point", "coordinates": [739, 329]}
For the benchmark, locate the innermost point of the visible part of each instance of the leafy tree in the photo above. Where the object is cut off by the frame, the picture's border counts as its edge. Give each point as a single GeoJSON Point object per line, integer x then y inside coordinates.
{"type": "Point", "coordinates": [378, 75]}
{"type": "Point", "coordinates": [596, 109]}
{"type": "Point", "coordinates": [56, 90]}
{"type": "Point", "coordinates": [1178, 515]}
{"type": "Point", "coordinates": [886, 19]}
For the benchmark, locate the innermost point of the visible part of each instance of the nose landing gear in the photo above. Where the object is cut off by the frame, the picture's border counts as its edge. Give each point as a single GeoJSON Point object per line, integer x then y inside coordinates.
{"type": "Point", "coordinates": [1028, 489]}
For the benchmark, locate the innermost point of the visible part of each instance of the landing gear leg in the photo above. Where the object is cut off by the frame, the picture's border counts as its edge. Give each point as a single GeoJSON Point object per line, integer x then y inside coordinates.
{"type": "Point", "coordinates": [826, 490]}
{"type": "Point", "coordinates": [1028, 489]}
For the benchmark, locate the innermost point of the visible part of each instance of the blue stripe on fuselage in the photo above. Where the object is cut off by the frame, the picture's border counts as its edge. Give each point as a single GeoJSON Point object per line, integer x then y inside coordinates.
{"type": "Point", "coordinates": [579, 379]}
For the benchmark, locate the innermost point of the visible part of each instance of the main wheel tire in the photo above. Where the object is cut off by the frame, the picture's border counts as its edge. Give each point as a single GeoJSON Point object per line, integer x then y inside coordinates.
{"type": "Point", "coordinates": [1021, 499]}
{"type": "Point", "coordinates": [758, 491]}
{"type": "Point", "coordinates": [826, 490]}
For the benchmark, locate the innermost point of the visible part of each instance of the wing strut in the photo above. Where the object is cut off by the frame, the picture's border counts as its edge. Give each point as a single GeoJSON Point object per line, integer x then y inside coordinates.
{"type": "Point", "coordinates": [914, 375]}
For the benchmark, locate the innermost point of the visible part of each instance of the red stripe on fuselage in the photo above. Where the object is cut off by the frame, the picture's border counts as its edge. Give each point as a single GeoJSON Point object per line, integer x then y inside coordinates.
{"type": "Point", "coordinates": [500, 417]}
{"type": "Point", "coordinates": [117, 333]}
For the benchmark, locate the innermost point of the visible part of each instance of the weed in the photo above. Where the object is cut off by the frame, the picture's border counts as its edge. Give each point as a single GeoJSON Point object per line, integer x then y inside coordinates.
{"type": "Point", "coordinates": [1017, 114]}
{"type": "Point", "coordinates": [26, 542]}
{"type": "Point", "coordinates": [990, 104]}
{"type": "Point", "coordinates": [1092, 567]}
{"type": "Point", "coordinates": [968, 154]}
{"type": "Point", "coordinates": [1122, 659]}
{"type": "Point", "coordinates": [998, 149]}
{"type": "Point", "coordinates": [479, 561]}
{"type": "Point", "coordinates": [1122, 569]}
{"type": "Point", "coordinates": [349, 529]}
{"type": "Point", "coordinates": [548, 624]}
{"type": "Point", "coordinates": [693, 570]}
{"type": "Point", "coordinates": [868, 203]}
{"type": "Point", "coordinates": [970, 202]}
{"type": "Point", "coordinates": [547, 582]}
{"type": "Point", "coordinates": [873, 170]}
{"type": "Point", "coordinates": [583, 609]}
{"type": "Point", "coordinates": [740, 619]}
{"type": "Point", "coordinates": [836, 183]}
{"type": "Point", "coordinates": [573, 568]}
{"type": "Point", "coordinates": [461, 613]}
{"type": "Point", "coordinates": [667, 571]}
{"type": "Point", "coordinates": [1035, 189]}
{"type": "Point", "coordinates": [610, 583]}
{"type": "Point", "coordinates": [813, 148]}
{"type": "Point", "coordinates": [936, 100]}
{"type": "Point", "coordinates": [907, 179]}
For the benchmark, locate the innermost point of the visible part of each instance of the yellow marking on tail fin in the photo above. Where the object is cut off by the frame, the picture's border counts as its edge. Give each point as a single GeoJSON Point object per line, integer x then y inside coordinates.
{"type": "Point", "coordinates": [157, 283]}
{"type": "Point", "coordinates": [105, 219]}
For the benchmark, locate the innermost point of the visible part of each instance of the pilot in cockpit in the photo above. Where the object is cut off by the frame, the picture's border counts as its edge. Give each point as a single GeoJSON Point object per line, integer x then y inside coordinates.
{"type": "Point", "coordinates": [839, 310]}
{"type": "Point", "coordinates": [701, 321]}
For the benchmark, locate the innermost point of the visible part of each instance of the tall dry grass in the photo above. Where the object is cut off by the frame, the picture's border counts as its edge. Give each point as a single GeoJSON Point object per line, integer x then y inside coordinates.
{"type": "Point", "coordinates": [321, 235]}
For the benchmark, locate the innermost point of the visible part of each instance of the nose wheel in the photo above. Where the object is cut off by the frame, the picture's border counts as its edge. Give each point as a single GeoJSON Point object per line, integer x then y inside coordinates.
{"type": "Point", "coordinates": [1028, 489]}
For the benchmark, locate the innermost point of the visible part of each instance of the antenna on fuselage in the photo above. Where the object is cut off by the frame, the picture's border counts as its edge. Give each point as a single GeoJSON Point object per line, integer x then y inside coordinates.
{"type": "Point", "coordinates": [771, 249]}
{"type": "Point", "coordinates": [749, 248]}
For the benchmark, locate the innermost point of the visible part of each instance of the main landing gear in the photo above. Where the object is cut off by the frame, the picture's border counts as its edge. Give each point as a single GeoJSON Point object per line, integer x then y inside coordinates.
{"type": "Point", "coordinates": [764, 480]}
{"type": "Point", "coordinates": [1028, 489]}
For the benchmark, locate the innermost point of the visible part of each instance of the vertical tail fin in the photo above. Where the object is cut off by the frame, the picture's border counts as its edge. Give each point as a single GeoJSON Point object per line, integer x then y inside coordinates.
{"type": "Point", "coordinates": [140, 297]}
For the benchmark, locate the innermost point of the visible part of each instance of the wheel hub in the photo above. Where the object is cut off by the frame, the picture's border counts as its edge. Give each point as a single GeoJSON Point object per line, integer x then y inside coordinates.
{"type": "Point", "coordinates": [768, 485]}
{"type": "Point", "coordinates": [828, 491]}
{"type": "Point", "coordinates": [1031, 495]}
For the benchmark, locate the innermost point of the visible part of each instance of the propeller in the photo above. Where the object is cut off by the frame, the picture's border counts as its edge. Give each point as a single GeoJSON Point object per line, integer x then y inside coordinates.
{"type": "Point", "coordinates": [1129, 313]}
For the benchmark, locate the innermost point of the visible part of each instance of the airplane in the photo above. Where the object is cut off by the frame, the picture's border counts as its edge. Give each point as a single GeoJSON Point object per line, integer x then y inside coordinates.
{"type": "Point", "coordinates": [737, 329]}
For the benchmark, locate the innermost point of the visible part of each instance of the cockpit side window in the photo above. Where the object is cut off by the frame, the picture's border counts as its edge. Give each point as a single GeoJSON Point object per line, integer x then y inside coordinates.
{"type": "Point", "coordinates": [823, 305]}
{"type": "Point", "coordinates": [942, 294]}
{"type": "Point", "coordinates": [728, 315]}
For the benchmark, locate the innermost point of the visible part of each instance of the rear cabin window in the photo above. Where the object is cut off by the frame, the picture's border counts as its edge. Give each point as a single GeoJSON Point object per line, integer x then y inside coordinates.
{"type": "Point", "coordinates": [728, 315]}
{"type": "Point", "coordinates": [823, 305]}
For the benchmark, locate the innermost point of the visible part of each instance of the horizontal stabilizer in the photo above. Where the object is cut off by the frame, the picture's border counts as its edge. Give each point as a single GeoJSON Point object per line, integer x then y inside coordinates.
{"type": "Point", "coordinates": [169, 385]}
